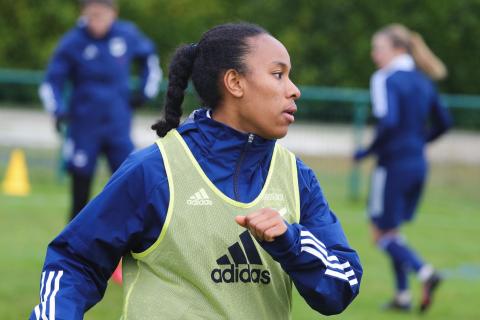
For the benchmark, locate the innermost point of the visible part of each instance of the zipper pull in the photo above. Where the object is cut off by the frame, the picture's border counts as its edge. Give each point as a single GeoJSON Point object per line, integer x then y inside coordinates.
{"type": "Point", "coordinates": [250, 137]}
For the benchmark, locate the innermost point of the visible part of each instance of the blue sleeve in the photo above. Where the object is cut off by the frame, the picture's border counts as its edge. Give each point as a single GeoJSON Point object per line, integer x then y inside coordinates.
{"type": "Point", "coordinates": [315, 253]}
{"type": "Point", "coordinates": [150, 71]}
{"type": "Point", "coordinates": [58, 72]}
{"type": "Point", "coordinates": [440, 120]}
{"type": "Point", "coordinates": [81, 259]}
{"type": "Point", "coordinates": [387, 112]}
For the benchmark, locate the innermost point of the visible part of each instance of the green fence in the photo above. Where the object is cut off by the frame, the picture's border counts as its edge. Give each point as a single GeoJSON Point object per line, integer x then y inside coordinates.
{"type": "Point", "coordinates": [316, 103]}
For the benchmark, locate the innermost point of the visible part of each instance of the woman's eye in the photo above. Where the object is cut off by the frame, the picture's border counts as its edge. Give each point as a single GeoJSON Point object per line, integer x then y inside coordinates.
{"type": "Point", "coordinates": [278, 75]}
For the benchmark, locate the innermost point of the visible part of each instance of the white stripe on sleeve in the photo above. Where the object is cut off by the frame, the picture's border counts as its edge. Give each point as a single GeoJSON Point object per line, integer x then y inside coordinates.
{"type": "Point", "coordinates": [336, 274]}
{"type": "Point", "coordinates": [304, 233]}
{"type": "Point", "coordinates": [323, 252]}
{"type": "Point", "coordinates": [154, 76]}
{"type": "Point", "coordinates": [315, 253]}
{"type": "Point", "coordinates": [42, 284]}
{"type": "Point", "coordinates": [37, 307]}
{"type": "Point", "coordinates": [37, 312]}
{"type": "Point", "coordinates": [54, 293]}
{"type": "Point", "coordinates": [343, 271]}
{"type": "Point", "coordinates": [350, 273]}
{"type": "Point", "coordinates": [48, 98]}
{"type": "Point", "coordinates": [379, 94]}
{"type": "Point", "coordinates": [352, 281]}
{"type": "Point", "coordinates": [48, 285]}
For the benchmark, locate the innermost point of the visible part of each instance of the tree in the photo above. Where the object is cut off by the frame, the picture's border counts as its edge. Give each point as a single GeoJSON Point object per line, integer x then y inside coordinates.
{"type": "Point", "coordinates": [329, 41]}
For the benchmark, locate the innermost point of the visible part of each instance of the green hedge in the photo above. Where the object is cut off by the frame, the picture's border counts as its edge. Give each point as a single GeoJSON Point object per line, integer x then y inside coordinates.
{"type": "Point", "coordinates": [329, 41]}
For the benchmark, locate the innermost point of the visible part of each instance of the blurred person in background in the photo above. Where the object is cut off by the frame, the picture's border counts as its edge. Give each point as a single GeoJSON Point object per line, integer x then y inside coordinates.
{"type": "Point", "coordinates": [95, 60]}
{"type": "Point", "coordinates": [409, 115]}
{"type": "Point", "coordinates": [216, 219]}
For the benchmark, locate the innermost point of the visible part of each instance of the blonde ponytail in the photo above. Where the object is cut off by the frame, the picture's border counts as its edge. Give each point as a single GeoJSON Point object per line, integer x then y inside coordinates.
{"type": "Point", "coordinates": [413, 42]}
{"type": "Point", "coordinates": [425, 58]}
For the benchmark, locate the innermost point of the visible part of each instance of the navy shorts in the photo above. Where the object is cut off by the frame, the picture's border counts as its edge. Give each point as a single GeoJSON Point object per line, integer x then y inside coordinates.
{"type": "Point", "coordinates": [395, 192]}
{"type": "Point", "coordinates": [81, 151]}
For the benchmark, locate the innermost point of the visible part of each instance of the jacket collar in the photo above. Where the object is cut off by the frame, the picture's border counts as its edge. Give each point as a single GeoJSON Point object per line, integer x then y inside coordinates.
{"type": "Point", "coordinates": [219, 141]}
{"type": "Point", "coordinates": [402, 62]}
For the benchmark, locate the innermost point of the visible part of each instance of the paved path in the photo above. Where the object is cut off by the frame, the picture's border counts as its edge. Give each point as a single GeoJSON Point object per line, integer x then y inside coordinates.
{"type": "Point", "coordinates": [34, 128]}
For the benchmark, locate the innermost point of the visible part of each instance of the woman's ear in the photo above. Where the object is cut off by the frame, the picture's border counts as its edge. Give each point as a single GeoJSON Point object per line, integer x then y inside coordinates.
{"type": "Point", "coordinates": [233, 82]}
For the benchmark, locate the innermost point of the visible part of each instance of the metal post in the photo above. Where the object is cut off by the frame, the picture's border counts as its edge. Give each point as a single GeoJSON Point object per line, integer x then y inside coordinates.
{"type": "Point", "coordinates": [360, 115]}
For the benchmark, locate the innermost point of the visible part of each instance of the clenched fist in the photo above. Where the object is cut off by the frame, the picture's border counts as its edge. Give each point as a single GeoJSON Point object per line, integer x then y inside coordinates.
{"type": "Point", "coordinates": [264, 224]}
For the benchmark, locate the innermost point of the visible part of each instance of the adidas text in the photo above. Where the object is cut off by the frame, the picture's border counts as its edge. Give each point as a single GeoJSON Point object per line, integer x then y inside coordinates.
{"type": "Point", "coordinates": [235, 274]}
{"type": "Point", "coordinates": [199, 202]}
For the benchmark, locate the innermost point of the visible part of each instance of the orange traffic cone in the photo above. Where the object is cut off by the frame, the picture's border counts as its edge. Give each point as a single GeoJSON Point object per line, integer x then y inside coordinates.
{"type": "Point", "coordinates": [16, 179]}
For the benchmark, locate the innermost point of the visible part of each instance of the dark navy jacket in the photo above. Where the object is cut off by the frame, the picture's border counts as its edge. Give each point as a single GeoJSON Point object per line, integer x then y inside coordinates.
{"type": "Point", "coordinates": [409, 112]}
{"type": "Point", "coordinates": [99, 72]}
{"type": "Point", "coordinates": [129, 213]}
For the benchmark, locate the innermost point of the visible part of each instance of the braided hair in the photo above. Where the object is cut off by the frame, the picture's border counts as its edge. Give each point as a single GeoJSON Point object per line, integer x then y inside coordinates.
{"type": "Point", "coordinates": [220, 49]}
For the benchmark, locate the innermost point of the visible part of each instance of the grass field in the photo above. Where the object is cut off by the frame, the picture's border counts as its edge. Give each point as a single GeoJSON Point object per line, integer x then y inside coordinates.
{"type": "Point", "coordinates": [446, 232]}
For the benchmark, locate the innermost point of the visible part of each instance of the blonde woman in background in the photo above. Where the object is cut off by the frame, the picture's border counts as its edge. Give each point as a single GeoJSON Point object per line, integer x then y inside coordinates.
{"type": "Point", "coordinates": [409, 115]}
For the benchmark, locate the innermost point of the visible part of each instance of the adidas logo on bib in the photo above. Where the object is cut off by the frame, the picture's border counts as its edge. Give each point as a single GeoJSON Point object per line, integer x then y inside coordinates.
{"type": "Point", "coordinates": [241, 269]}
{"type": "Point", "coordinates": [200, 198]}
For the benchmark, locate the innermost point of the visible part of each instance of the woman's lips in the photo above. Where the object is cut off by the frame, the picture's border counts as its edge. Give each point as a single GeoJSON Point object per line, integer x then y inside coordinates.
{"type": "Point", "coordinates": [288, 113]}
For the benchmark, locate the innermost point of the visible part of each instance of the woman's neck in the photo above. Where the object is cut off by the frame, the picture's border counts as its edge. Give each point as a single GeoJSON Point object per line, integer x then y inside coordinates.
{"type": "Point", "coordinates": [229, 117]}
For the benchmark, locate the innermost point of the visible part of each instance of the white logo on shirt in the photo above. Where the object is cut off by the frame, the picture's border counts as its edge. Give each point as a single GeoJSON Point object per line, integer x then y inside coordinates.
{"type": "Point", "coordinates": [283, 212]}
{"type": "Point", "coordinates": [90, 52]}
{"type": "Point", "coordinates": [117, 46]}
{"type": "Point", "coordinates": [200, 198]}
{"type": "Point", "coordinates": [273, 197]}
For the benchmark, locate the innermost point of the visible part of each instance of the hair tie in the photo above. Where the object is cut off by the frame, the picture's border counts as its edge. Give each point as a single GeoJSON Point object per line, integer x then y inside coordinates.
{"type": "Point", "coordinates": [194, 49]}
